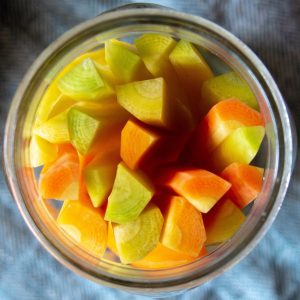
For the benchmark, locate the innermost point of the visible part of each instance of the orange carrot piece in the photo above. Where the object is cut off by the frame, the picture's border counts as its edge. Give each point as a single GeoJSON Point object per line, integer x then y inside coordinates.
{"type": "Point", "coordinates": [66, 148]}
{"type": "Point", "coordinates": [85, 225]}
{"type": "Point", "coordinates": [222, 221]}
{"type": "Point", "coordinates": [61, 179]}
{"type": "Point", "coordinates": [162, 258]}
{"type": "Point", "coordinates": [147, 149]}
{"type": "Point", "coordinates": [183, 229]}
{"type": "Point", "coordinates": [136, 142]}
{"type": "Point", "coordinates": [200, 187]}
{"type": "Point", "coordinates": [222, 119]}
{"type": "Point", "coordinates": [246, 182]}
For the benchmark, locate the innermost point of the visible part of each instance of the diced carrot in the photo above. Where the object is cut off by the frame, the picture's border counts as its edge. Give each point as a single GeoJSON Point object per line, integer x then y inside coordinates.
{"type": "Point", "coordinates": [183, 229]}
{"type": "Point", "coordinates": [220, 121]}
{"type": "Point", "coordinates": [66, 148]}
{"type": "Point", "coordinates": [85, 225]}
{"type": "Point", "coordinates": [200, 187]}
{"type": "Point", "coordinates": [162, 258]}
{"type": "Point", "coordinates": [147, 149]}
{"type": "Point", "coordinates": [246, 182]}
{"type": "Point", "coordinates": [61, 179]}
{"type": "Point", "coordinates": [136, 143]}
{"type": "Point", "coordinates": [222, 221]}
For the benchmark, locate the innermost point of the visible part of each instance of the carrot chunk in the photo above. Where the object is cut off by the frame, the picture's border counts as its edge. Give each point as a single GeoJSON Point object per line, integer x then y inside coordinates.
{"type": "Point", "coordinates": [220, 121]}
{"type": "Point", "coordinates": [61, 179]}
{"type": "Point", "coordinates": [246, 182]}
{"type": "Point", "coordinates": [200, 187]}
{"type": "Point", "coordinates": [183, 229]}
{"type": "Point", "coordinates": [85, 225]}
{"type": "Point", "coordinates": [136, 142]}
{"type": "Point", "coordinates": [162, 258]}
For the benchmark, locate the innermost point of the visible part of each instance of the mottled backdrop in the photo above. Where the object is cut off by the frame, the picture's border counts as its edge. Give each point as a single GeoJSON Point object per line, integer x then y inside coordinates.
{"type": "Point", "coordinates": [271, 29]}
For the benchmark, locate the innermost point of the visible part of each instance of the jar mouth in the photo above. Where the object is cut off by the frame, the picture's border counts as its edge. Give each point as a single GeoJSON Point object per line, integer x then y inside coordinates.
{"type": "Point", "coordinates": [195, 28]}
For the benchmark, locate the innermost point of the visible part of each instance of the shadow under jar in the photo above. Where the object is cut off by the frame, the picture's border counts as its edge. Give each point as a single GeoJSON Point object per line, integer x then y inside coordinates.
{"type": "Point", "coordinates": [223, 49]}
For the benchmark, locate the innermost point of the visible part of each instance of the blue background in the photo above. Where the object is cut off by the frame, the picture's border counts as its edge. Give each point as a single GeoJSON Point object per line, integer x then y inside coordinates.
{"type": "Point", "coordinates": [271, 29]}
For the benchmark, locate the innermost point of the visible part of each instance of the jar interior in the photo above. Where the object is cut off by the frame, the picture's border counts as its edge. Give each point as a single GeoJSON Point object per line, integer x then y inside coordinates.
{"type": "Point", "coordinates": [222, 57]}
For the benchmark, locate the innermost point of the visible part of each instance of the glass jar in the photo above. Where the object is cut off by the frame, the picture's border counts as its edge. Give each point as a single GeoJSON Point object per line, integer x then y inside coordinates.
{"type": "Point", "coordinates": [278, 149]}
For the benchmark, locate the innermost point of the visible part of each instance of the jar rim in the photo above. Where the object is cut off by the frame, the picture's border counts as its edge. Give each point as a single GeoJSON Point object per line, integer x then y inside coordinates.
{"type": "Point", "coordinates": [286, 149]}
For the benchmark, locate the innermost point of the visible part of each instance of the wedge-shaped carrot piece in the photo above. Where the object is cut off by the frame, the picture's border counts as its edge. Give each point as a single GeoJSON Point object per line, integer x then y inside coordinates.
{"type": "Point", "coordinates": [225, 86]}
{"type": "Point", "coordinates": [151, 148]}
{"type": "Point", "coordinates": [99, 176]}
{"type": "Point", "coordinates": [136, 142]}
{"type": "Point", "coordinates": [135, 239]}
{"type": "Point", "coordinates": [162, 258]}
{"type": "Point", "coordinates": [200, 187]}
{"type": "Point", "coordinates": [222, 221]}
{"type": "Point", "coordinates": [66, 148]}
{"type": "Point", "coordinates": [61, 179]}
{"type": "Point", "coordinates": [155, 49]}
{"type": "Point", "coordinates": [192, 70]}
{"type": "Point", "coordinates": [222, 119]}
{"type": "Point", "coordinates": [131, 192]}
{"type": "Point", "coordinates": [62, 149]}
{"type": "Point", "coordinates": [183, 229]}
{"type": "Point", "coordinates": [240, 146]}
{"type": "Point", "coordinates": [85, 225]}
{"type": "Point", "coordinates": [124, 61]}
{"type": "Point", "coordinates": [41, 151]}
{"type": "Point", "coordinates": [150, 102]}
{"type": "Point", "coordinates": [246, 182]}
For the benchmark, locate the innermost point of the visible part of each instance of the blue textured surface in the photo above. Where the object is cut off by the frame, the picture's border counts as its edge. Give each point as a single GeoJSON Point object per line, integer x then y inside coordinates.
{"type": "Point", "coordinates": [271, 29]}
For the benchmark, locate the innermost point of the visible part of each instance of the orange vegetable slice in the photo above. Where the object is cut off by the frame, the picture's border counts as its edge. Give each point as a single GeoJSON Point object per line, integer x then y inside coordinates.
{"type": "Point", "coordinates": [162, 258]}
{"type": "Point", "coordinates": [60, 180]}
{"type": "Point", "coordinates": [200, 187]}
{"type": "Point", "coordinates": [85, 225]}
{"type": "Point", "coordinates": [222, 221]}
{"type": "Point", "coordinates": [246, 182]}
{"type": "Point", "coordinates": [136, 142]}
{"type": "Point", "coordinates": [147, 149]}
{"type": "Point", "coordinates": [220, 121]}
{"type": "Point", "coordinates": [183, 229]}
